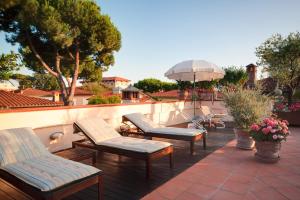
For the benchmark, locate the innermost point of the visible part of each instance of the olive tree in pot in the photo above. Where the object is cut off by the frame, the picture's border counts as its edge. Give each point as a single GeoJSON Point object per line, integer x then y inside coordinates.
{"type": "Point", "coordinates": [246, 107]}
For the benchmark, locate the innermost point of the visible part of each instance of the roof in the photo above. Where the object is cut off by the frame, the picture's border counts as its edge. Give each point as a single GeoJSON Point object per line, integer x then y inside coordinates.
{"type": "Point", "coordinates": [78, 92]}
{"type": "Point", "coordinates": [12, 100]}
{"type": "Point", "coordinates": [115, 78]}
{"type": "Point", "coordinates": [130, 88]}
{"type": "Point", "coordinates": [166, 94]}
{"type": "Point", "coordinates": [35, 92]}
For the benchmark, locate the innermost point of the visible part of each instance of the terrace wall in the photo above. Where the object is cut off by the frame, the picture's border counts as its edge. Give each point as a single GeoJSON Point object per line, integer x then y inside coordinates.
{"type": "Point", "coordinates": [46, 121]}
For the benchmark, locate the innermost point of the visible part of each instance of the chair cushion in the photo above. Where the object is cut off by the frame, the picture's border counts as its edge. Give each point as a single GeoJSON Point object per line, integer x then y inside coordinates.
{"type": "Point", "coordinates": [49, 171]}
{"type": "Point", "coordinates": [142, 122]}
{"type": "Point", "coordinates": [97, 129]}
{"type": "Point", "coordinates": [177, 131]}
{"type": "Point", "coordinates": [135, 144]}
{"type": "Point", "coordinates": [19, 144]}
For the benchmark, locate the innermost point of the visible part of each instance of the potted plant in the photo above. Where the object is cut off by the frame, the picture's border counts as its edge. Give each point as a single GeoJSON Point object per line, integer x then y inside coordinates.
{"type": "Point", "coordinates": [268, 135]}
{"type": "Point", "coordinates": [246, 107]}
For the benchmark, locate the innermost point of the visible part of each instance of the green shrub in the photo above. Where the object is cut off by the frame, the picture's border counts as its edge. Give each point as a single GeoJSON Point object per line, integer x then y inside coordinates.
{"type": "Point", "coordinates": [114, 99]}
{"type": "Point", "coordinates": [101, 100]}
{"type": "Point", "coordinates": [246, 106]}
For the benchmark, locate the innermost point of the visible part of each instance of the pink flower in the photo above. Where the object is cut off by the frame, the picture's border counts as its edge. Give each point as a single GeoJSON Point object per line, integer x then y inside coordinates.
{"type": "Point", "coordinates": [273, 131]}
{"type": "Point", "coordinates": [275, 137]}
{"type": "Point", "coordinates": [270, 128]}
{"type": "Point", "coordinates": [254, 127]}
{"type": "Point", "coordinates": [286, 122]}
{"type": "Point", "coordinates": [285, 131]}
{"type": "Point", "coordinates": [265, 130]}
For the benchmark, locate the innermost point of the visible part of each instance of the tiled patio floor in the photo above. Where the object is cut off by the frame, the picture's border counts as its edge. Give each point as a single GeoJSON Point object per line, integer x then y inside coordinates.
{"type": "Point", "coordinates": [229, 173]}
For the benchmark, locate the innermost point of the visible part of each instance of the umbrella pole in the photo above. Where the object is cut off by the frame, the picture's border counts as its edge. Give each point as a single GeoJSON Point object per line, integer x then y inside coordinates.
{"type": "Point", "coordinates": [194, 100]}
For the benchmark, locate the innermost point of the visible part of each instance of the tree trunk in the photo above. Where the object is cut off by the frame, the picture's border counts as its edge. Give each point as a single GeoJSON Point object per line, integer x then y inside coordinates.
{"type": "Point", "coordinates": [75, 77]}
{"type": "Point", "coordinates": [290, 94]}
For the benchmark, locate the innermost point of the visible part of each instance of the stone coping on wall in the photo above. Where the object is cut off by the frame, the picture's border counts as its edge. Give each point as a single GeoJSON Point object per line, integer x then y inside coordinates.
{"type": "Point", "coordinates": [83, 106]}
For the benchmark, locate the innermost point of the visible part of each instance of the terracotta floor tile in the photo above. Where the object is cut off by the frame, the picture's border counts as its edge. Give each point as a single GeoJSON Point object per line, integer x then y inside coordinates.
{"type": "Point", "coordinates": [202, 190]}
{"type": "Point", "coordinates": [172, 190]}
{"type": "Point", "coordinates": [292, 193]}
{"type": "Point", "coordinates": [250, 196]}
{"type": "Point", "coordinates": [225, 195]}
{"type": "Point", "coordinates": [241, 178]}
{"type": "Point", "coordinates": [189, 196]}
{"type": "Point", "coordinates": [274, 181]}
{"type": "Point", "coordinates": [236, 187]}
{"type": "Point", "coordinates": [154, 196]}
{"type": "Point", "coordinates": [293, 179]}
{"type": "Point", "coordinates": [269, 193]}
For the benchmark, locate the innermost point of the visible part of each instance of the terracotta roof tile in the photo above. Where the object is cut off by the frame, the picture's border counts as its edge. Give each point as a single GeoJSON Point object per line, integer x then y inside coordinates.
{"type": "Point", "coordinates": [12, 100]}
{"type": "Point", "coordinates": [115, 78]}
{"type": "Point", "coordinates": [35, 92]}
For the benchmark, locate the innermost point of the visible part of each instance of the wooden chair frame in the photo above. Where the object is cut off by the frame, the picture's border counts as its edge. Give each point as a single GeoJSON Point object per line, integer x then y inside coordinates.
{"type": "Point", "coordinates": [147, 157]}
{"type": "Point", "coordinates": [191, 139]}
{"type": "Point", "coordinates": [57, 193]}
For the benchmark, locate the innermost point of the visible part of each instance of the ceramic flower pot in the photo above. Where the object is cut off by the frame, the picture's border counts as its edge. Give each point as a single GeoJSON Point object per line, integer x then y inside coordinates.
{"type": "Point", "coordinates": [244, 141]}
{"type": "Point", "coordinates": [267, 151]}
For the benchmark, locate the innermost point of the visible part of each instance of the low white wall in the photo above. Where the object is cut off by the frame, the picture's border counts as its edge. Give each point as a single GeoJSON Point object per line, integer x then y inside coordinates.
{"type": "Point", "coordinates": [47, 121]}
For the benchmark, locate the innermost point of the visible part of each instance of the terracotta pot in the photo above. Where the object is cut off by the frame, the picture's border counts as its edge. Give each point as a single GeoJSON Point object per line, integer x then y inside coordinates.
{"type": "Point", "coordinates": [267, 152]}
{"type": "Point", "coordinates": [244, 141]}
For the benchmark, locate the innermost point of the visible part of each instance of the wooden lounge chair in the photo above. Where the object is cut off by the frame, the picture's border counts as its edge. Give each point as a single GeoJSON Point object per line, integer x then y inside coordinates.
{"type": "Point", "coordinates": [104, 138]}
{"type": "Point", "coordinates": [27, 165]}
{"type": "Point", "coordinates": [207, 118]}
{"type": "Point", "coordinates": [150, 129]}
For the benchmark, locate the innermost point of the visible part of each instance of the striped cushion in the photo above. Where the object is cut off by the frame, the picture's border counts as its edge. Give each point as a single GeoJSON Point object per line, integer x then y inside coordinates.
{"type": "Point", "coordinates": [97, 129]}
{"type": "Point", "coordinates": [19, 144]}
{"type": "Point", "coordinates": [142, 122]}
{"type": "Point", "coordinates": [177, 131]}
{"type": "Point", "coordinates": [48, 172]}
{"type": "Point", "coordinates": [135, 144]}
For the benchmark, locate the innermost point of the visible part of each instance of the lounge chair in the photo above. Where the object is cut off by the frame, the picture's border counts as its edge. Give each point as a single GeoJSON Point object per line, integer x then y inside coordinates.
{"type": "Point", "coordinates": [150, 129]}
{"type": "Point", "coordinates": [210, 119]}
{"type": "Point", "coordinates": [29, 166]}
{"type": "Point", "coordinates": [104, 138]}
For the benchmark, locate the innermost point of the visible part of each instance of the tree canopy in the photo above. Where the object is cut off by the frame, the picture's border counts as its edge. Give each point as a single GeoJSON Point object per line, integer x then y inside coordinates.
{"type": "Point", "coordinates": [234, 75]}
{"type": "Point", "coordinates": [280, 57]}
{"type": "Point", "coordinates": [154, 85]}
{"type": "Point", "coordinates": [66, 38]}
{"type": "Point", "coordinates": [8, 64]}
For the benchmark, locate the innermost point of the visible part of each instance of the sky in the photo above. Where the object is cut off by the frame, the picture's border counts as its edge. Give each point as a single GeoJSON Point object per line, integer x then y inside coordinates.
{"type": "Point", "coordinates": [157, 34]}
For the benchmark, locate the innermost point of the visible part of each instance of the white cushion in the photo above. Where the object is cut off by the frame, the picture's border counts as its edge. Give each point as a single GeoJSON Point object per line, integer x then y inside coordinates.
{"type": "Point", "coordinates": [177, 131]}
{"type": "Point", "coordinates": [142, 122]}
{"type": "Point", "coordinates": [97, 129]}
{"type": "Point", "coordinates": [135, 144]}
{"type": "Point", "coordinates": [19, 144]}
{"type": "Point", "coordinates": [48, 172]}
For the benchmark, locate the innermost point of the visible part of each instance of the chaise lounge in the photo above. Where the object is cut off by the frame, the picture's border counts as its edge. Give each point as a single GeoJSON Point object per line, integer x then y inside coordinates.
{"type": "Point", "coordinates": [150, 129]}
{"type": "Point", "coordinates": [104, 138]}
{"type": "Point", "coordinates": [29, 166]}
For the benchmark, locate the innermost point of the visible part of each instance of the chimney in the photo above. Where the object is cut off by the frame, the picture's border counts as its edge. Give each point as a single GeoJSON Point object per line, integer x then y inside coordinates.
{"type": "Point", "coordinates": [56, 96]}
{"type": "Point", "coordinates": [251, 71]}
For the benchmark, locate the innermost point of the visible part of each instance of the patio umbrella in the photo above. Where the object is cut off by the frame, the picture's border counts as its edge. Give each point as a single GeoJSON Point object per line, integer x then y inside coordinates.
{"type": "Point", "coordinates": [195, 70]}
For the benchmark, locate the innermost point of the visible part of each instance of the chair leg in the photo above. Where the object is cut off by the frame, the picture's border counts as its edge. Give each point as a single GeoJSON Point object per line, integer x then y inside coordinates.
{"type": "Point", "coordinates": [192, 147]}
{"type": "Point", "coordinates": [204, 140]}
{"type": "Point", "coordinates": [100, 187]}
{"type": "Point", "coordinates": [171, 160]}
{"type": "Point", "coordinates": [148, 168]}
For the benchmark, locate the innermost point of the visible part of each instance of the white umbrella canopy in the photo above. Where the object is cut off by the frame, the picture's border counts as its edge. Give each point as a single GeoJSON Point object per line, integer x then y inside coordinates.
{"type": "Point", "coordinates": [195, 70]}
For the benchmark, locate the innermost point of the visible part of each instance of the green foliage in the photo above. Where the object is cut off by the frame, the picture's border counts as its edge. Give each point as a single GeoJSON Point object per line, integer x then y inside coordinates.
{"type": "Point", "coordinates": [67, 38]}
{"type": "Point", "coordinates": [101, 100]}
{"type": "Point", "coordinates": [183, 85]}
{"type": "Point", "coordinates": [246, 106]}
{"type": "Point", "coordinates": [45, 82]}
{"type": "Point", "coordinates": [95, 87]}
{"type": "Point", "coordinates": [281, 58]}
{"type": "Point", "coordinates": [234, 75]}
{"type": "Point", "coordinates": [154, 85]}
{"type": "Point", "coordinates": [8, 64]}
{"type": "Point", "coordinates": [206, 84]}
